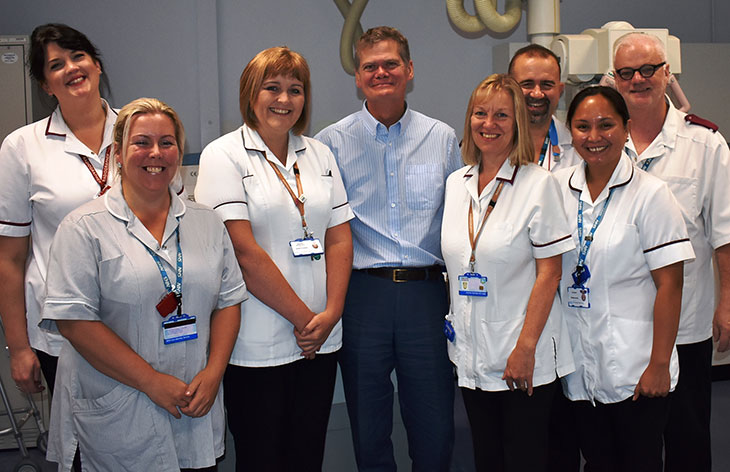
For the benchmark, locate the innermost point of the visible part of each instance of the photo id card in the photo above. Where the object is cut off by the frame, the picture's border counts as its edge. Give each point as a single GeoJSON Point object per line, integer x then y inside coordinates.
{"type": "Point", "coordinates": [579, 297]}
{"type": "Point", "coordinates": [473, 284]}
{"type": "Point", "coordinates": [179, 328]}
{"type": "Point", "coordinates": [306, 247]}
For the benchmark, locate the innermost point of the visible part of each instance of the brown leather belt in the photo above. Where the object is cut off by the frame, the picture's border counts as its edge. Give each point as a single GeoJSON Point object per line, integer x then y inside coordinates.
{"type": "Point", "coordinates": [407, 274]}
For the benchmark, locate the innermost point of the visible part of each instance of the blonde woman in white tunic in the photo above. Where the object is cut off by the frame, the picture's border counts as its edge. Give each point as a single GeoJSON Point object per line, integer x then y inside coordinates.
{"type": "Point", "coordinates": [146, 288]}
{"type": "Point", "coordinates": [502, 237]}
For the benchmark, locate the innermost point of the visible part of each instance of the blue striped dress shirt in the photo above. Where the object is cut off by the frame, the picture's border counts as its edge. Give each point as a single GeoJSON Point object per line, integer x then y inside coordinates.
{"type": "Point", "coordinates": [395, 179]}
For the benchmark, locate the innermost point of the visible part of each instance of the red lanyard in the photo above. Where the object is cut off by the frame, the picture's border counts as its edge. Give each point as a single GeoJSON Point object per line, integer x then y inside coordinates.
{"type": "Point", "coordinates": [298, 199]}
{"type": "Point", "coordinates": [472, 238]}
{"type": "Point", "coordinates": [103, 187]}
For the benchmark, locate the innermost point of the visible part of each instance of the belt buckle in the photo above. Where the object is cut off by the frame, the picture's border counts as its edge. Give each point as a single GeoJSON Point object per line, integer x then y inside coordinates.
{"type": "Point", "coordinates": [395, 276]}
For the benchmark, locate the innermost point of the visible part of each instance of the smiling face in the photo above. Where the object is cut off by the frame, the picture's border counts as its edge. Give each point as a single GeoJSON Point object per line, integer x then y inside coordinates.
{"type": "Point", "coordinates": [278, 105]}
{"type": "Point", "coordinates": [383, 75]}
{"type": "Point", "coordinates": [69, 74]}
{"type": "Point", "coordinates": [539, 79]}
{"type": "Point", "coordinates": [150, 155]}
{"type": "Point", "coordinates": [493, 126]}
{"type": "Point", "coordinates": [599, 134]}
{"type": "Point", "coordinates": [640, 92]}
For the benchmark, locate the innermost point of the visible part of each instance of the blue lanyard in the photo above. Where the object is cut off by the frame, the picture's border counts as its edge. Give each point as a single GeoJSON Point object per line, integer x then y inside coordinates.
{"type": "Point", "coordinates": [543, 151]}
{"type": "Point", "coordinates": [177, 290]}
{"type": "Point", "coordinates": [550, 138]}
{"type": "Point", "coordinates": [586, 244]}
{"type": "Point", "coordinates": [645, 165]}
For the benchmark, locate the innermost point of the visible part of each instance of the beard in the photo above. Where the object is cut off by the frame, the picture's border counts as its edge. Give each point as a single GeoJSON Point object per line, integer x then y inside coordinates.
{"type": "Point", "coordinates": [541, 113]}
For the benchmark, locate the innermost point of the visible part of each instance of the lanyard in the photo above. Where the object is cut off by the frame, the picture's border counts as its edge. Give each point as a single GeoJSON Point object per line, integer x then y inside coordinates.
{"type": "Point", "coordinates": [645, 165]}
{"type": "Point", "coordinates": [586, 244]}
{"type": "Point", "coordinates": [543, 151]}
{"type": "Point", "coordinates": [551, 138]}
{"type": "Point", "coordinates": [298, 199]}
{"type": "Point", "coordinates": [472, 238]}
{"type": "Point", "coordinates": [177, 290]}
{"type": "Point", "coordinates": [103, 187]}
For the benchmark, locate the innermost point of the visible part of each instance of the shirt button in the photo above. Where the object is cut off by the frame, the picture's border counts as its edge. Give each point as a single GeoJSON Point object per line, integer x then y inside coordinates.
{"type": "Point", "coordinates": [392, 174]}
{"type": "Point", "coordinates": [396, 235]}
{"type": "Point", "coordinates": [392, 205]}
{"type": "Point", "coordinates": [405, 257]}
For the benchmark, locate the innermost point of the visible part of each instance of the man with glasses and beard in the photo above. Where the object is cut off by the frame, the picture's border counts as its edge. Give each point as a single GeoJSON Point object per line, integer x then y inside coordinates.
{"type": "Point", "coordinates": [693, 158]}
{"type": "Point", "coordinates": [537, 70]}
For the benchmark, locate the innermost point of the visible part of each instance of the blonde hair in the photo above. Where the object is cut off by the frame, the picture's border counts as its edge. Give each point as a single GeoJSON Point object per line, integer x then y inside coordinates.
{"type": "Point", "coordinates": [142, 106]}
{"type": "Point", "coordinates": [270, 63]}
{"type": "Point", "coordinates": [522, 152]}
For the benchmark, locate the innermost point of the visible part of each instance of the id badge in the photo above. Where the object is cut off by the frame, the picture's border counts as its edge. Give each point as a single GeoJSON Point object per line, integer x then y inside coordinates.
{"type": "Point", "coordinates": [579, 297]}
{"type": "Point", "coordinates": [473, 284]}
{"type": "Point", "coordinates": [449, 330]}
{"type": "Point", "coordinates": [179, 328]}
{"type": "Point", "coordinates": [306, 247]}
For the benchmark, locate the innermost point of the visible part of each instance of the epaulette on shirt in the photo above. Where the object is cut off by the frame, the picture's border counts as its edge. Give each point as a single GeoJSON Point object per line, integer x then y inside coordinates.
{"type": "Point", "coordinates": [696, 120]}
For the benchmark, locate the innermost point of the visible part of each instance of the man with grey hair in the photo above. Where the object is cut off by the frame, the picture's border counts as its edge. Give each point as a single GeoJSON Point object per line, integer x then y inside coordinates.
{"type": "Point", "coordinates": [693, 158]}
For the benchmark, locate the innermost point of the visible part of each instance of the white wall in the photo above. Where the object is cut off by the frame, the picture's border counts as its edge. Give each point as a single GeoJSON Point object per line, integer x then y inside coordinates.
{"type": "Point", "coordinates": [190, 52]}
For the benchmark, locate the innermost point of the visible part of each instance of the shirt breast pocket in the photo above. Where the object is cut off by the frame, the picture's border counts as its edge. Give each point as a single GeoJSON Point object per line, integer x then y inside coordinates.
{"type": "Point", "coordinates": [424, 186]}
{"type": "Point", "coordinates": [496, 242]}
{"type": "Point", "coordinates": [624, 246]}
{"type": "Point", "coordinates": [115, 282]}
{"type": "Point", "coordinates": [686, 191]}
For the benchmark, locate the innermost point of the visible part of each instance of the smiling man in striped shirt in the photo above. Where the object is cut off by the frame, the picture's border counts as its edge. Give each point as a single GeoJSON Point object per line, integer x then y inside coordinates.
{"type": "Point", "coordinates": [394, 163]}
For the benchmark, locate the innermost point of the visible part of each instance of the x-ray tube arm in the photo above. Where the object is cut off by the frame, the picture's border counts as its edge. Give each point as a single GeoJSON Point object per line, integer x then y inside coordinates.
{"type": "Point", "coordinates": [486, 17]}
{"type": "Point", "coordinates": [351, 30]}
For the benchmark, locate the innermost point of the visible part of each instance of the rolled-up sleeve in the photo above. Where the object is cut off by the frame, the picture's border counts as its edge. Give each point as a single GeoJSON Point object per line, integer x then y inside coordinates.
{"type": "Point", "coordinates": [220, 182]}
{"type": "Point", "coordinates": [548, 225]}
{"type": "Point", "coordinates": [341, 211]}
{"type": "Point", "coordinates": [15, 204]}
{"type": "Point", "coordinates": [663, 233]}
{"type": "Point", "coordinates": [72, 283]}
{"type": "Point", "coordinates": [233, 288]}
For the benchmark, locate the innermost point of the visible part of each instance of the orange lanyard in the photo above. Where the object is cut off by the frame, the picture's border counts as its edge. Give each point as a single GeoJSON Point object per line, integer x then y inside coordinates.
{"type": "Point", "coordinates": [298, 198]}
{"type": "Point", "coordinates": [103, 187]}
{"type": "Point", "coordinates": [472, 238]}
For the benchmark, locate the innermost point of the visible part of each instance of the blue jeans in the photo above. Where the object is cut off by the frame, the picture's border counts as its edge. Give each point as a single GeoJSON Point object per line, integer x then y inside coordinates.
{"type": "Point", "coordinates": [386, 326]}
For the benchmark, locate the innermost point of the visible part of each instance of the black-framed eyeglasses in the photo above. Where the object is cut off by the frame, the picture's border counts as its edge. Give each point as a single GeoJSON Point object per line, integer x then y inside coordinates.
{"type": "Point", "coordinates": [646, 71]}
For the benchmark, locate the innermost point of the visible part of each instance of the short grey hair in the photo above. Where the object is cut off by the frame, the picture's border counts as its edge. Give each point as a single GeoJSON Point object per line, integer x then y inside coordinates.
{"type": "Point", "coordinates": [638, 36]}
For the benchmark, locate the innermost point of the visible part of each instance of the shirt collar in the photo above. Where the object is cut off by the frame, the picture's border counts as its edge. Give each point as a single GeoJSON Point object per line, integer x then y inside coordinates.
{"type": "Point", "coordinates": [506, 174]}
{"type": "Point", "coordinates": [252, 141]}
{"type": "Point", "coordinates": [117, 206]}
{"type": "Point", "coordinates": [56, 127]}
{"type": "Point", "coordinates": [667, 137]}
{"type": "Point", "coordinates": [565, 140]}
{"type": "Point", "coordinates": [622, 175]}
{"type": "Point", "coordinates": [378, 129]}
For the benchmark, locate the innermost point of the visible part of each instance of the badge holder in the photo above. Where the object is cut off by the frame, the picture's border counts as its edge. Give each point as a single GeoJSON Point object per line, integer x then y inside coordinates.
{"type": "Point", "coordinates": [304, 247]}
{"type": "Point", "coordinates": [472, 284]}
{"type": "Point", "coordinates": [579, 296]}
{"type": "Point", "coordinates": [179, 328]}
